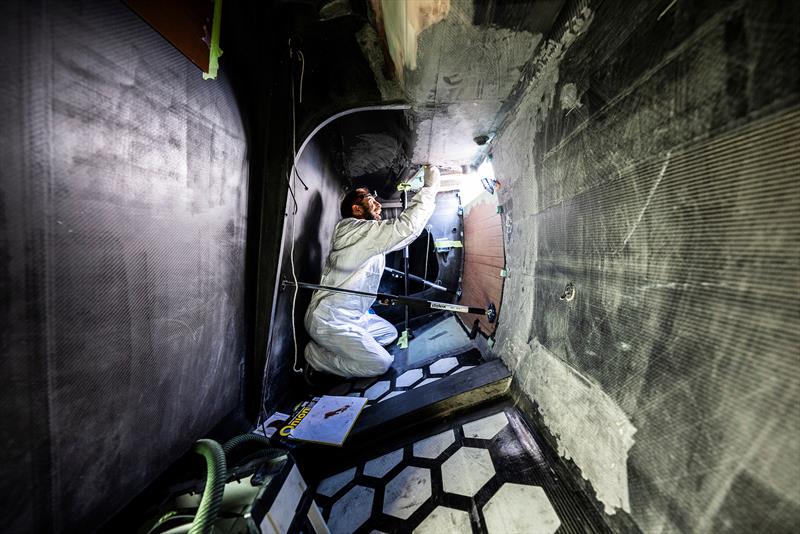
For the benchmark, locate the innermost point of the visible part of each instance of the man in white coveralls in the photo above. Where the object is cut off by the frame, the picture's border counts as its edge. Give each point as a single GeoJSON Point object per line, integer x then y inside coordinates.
{"type": "Point", "coordinates": [347, 340]}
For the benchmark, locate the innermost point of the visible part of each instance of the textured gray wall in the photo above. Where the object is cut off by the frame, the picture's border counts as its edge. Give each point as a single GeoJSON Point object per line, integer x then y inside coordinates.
{"type": "Point", "coordinates": [654, 162]}
{"type": "Point", "coordinates": [122, 224]}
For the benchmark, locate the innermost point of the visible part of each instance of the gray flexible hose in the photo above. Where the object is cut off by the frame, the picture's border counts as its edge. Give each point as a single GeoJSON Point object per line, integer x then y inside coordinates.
{"type": "Point", "coordinates": [215, 485]}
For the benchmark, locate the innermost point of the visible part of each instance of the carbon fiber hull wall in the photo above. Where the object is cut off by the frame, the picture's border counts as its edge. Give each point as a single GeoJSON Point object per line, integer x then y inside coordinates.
{"type": "Point", "coordinates": [654, 162]}
{"type": "Point", "coordinates": [306, 242]}
{"type": "Point", "coordinates": [122, 224]}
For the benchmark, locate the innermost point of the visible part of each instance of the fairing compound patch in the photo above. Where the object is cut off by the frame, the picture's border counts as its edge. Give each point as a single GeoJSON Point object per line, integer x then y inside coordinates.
{"type": "Point", "coordinates": [590, 428]}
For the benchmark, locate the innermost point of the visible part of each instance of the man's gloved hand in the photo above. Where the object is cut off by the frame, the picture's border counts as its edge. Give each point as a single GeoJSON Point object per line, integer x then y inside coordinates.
{"type": "Point", "coordinates": [432, 176]}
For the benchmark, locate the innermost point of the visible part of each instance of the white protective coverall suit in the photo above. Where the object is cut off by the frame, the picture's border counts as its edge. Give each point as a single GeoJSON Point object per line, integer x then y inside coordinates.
{"type": "Point", "coordinates": [345, 338]}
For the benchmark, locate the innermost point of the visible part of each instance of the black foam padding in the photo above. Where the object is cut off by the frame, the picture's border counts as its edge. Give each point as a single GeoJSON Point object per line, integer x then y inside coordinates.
{"type": "Point", "coordinates": [122, 232]}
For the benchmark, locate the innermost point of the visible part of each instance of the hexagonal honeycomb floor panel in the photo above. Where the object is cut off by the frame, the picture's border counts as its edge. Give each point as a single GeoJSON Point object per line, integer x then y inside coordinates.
{"type": "Point", "coordinates": [484, 472]}
{"type": "Point", "coordinates": [396, 382]}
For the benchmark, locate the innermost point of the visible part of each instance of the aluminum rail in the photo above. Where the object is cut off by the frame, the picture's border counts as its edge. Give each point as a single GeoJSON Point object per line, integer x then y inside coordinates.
{"type": "Point", "coordinates": [387, 298]}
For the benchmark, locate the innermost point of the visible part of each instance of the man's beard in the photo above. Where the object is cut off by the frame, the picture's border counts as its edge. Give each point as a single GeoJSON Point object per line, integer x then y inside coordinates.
{"type": "Point", "coordinates": [369, 215]}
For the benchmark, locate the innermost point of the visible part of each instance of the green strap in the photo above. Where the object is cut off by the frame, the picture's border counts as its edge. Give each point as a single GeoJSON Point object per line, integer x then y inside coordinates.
{"type": "Point", "coordinates": [403, 341]}
{"type": "Point", "coordinates": [215, 51]}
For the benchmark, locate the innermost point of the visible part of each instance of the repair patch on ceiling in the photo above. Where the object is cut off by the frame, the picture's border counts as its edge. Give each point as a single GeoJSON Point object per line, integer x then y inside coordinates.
{"type": "Point", "coordinates": [454, 73]}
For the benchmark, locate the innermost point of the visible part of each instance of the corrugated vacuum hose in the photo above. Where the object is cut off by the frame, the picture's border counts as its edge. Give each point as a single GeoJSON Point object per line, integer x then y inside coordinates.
{"type": "Point", "coordinates": [267, 449]}
{"type": "Point", "coordinates": [219, 469]}
{"type": "Point", "coordinates": [217, 472]}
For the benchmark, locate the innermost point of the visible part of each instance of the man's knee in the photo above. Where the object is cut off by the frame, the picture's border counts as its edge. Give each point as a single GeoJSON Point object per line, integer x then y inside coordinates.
{"type": "Point", "coordinates": [379, 365]}
{"type": "Point", "coordinates": [381, 330]}
{"type": "Point", "coordinates": [387, 336]}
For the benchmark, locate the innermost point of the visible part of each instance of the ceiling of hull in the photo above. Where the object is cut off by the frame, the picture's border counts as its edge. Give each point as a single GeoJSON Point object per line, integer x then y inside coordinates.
{"type": "Point", "coordinates": [455, 63]}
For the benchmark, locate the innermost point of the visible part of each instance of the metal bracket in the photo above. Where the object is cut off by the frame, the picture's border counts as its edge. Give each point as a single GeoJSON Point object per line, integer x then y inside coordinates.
{"type": "Point", "coordinates": [569, 292]}
{"type": "Point", "coordinates": [475, 329]}
{"type": "Point", "coordinates": [491, 312]}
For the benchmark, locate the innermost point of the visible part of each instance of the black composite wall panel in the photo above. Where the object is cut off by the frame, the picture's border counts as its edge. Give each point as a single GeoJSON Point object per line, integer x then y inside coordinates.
{"type": "Point", "coordinates": [667, 192]}
{"type": "Point", "coordinates": [123, 191]}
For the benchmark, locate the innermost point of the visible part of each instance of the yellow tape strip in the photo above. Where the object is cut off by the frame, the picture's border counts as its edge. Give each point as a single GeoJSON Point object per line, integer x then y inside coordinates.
{"type": "Point", "coordinates": [451, 244]}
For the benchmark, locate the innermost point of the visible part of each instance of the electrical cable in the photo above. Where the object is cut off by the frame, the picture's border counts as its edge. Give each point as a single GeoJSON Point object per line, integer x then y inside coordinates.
{"type": "Point", "coordinates": [294, 200]}
{"type": "Point", "coordinates": [291, 251]}
{"type": "Point", "coordinates": [294, 148]}
{"type": "Point", "coordinates": [302, 73]}
{"type": "Point", "coordinates": [291, 77]}
{"type": "Point", "coordinates": [290, 184]}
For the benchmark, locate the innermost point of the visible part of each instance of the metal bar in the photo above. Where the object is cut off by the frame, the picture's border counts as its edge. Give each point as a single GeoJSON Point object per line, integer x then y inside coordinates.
{"type": "Point", "coordinates": [399, 299]}
{"type": "Point", "coordinates": [405, 264]}
{"type": "Point", "coordinates": [418, 279]}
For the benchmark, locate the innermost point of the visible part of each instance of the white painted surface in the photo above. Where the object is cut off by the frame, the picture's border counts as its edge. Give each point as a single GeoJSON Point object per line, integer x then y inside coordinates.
{"type": "Point", "coordinates": [443, 365]}
{"type": "Point", "coordinates": [408, 378]}
{"type": "Point", "coordinates": [406, 492]}
{"type": "Point", "coordinates": [331, 485]}
{"type": "Point", "coordinates": [520, 509]}
{"type": "Point", "coordinates": [316, 520]}
{"type": "Point", "coordinates": [282, 511]}
{"type": "Point", "coordinates": [467, 471]}
{"type": "Point", "coordinates": [266, 526]}
{"type": "Point", "coordinates": [433, 446]}
{"type": "Point", "coordinates": [376, 390]}
{"type": "Point", "coordinates": [445, 521]}
{"type": "Point", "coordinates": [444, 337]}
{"type": "Point", "coordinates": [392, 394]}
{"type": "Point", "coordinates": [589, 426]}
{"type": "Point", "coordinates": [486, 428]}
{"type": "Point", "coordinates": [425, 382]}
{"type": "Point", "coordinates": [350, 512]}
{"type": "Point", "coordinates": [381, 465]}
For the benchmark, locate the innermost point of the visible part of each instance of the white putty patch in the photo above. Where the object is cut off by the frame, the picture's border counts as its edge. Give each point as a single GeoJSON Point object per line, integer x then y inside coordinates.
{"type": "Point", "coordinates": [455, 75]}
{"type": "Point", "coordinates": [590, 428]}
{"type": "Point", "coordinates": [520, 126]}
{"type": "Point", "coordinates": [403, 22]}
{"type": "Point", "coordinates": [569, 97]}
{"type": "Point", "coordinates": [370, 45]}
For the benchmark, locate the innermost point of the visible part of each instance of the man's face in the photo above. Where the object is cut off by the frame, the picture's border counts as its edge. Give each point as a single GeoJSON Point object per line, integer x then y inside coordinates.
{"type": "Point", "coordinates": [366, 206]}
